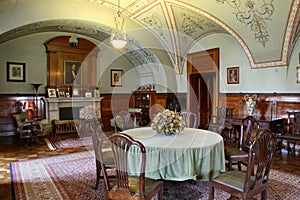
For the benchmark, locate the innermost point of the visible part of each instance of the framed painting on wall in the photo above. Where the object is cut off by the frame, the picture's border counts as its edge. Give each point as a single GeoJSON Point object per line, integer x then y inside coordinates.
{"type": "Point", "coordinates": [15, 71]}
{"type": "Point", "coordinates": [72, 72]}
{"type": "Point", "coordinates": [233, 75]}
{"type": "Point", "coordinates": [116, 77]}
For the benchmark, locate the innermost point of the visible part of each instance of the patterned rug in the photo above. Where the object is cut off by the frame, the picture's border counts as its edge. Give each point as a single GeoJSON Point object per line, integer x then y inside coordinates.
{"type": "Point", "coordinates": [68, 141]}
{"type": "Point", "coordinates": [72, 176]}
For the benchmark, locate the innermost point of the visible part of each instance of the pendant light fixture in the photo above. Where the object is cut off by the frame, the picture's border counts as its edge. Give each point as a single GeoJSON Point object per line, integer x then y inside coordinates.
{"type": "Point", "coordinates": [118, 37]}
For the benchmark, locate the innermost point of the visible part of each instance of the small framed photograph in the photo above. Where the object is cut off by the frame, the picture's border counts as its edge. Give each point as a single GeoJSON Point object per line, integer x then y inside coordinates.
{"type": "Point", "coordinates": [233, 76]}
{"type": "Point", "coordinates": [51, 93]}
{"type": "Point", "coordinates": [97, 93]}
{"type": "Point", "coordinates": [75, 92]}
{"type": "Point", "coordinates": [15, 71]}
{"type": "Point", "coordinates": [61, 94]}
{"type": "Point", "coordinates": [116, 78]}
{"type": "Point", "coordinates": [88, 94]}
{"type": "Point", "coordinates": [68, 95]}
{"type": "Point", "coordinates": [298, 74]}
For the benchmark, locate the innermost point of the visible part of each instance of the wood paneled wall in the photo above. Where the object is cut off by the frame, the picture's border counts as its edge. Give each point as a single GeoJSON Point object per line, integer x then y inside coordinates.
{"type": "Point", "coordinates": [268, 106]}
{"type": "Point", "coordinates": [59, 52]}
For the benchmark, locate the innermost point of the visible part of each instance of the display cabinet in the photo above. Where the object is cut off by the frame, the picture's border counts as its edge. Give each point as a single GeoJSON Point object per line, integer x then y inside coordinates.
{"type": "Point", "coordinates": [144, 100]}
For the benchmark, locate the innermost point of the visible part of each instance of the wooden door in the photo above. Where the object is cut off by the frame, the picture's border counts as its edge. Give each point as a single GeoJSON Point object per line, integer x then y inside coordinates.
{"type": "Point", "coordinates": [203, 81]}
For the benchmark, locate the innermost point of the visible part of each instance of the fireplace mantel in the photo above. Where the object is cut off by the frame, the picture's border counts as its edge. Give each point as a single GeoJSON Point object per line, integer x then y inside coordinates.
{"type": "Point", "coordinates": [53, 105]}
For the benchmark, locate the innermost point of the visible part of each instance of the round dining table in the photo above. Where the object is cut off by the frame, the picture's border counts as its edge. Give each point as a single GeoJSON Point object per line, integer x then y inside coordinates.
{"type": "Point", "coordinates": [192, 154]}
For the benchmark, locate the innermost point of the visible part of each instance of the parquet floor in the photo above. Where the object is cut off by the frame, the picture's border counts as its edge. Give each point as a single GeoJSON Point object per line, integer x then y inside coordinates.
{"type": "Point", "coordinates": [11, 150]}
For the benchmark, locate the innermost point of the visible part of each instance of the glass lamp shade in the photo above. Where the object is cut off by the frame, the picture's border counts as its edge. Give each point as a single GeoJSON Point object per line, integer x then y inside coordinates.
{"type": "Point", "coordinates": [118, 44]}
{"type": "Point", "coordinates": [118, 37]}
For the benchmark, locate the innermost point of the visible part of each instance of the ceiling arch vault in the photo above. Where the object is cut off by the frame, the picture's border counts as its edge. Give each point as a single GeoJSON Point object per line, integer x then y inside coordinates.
{"type": "Point", "coordinates": [267, 30]}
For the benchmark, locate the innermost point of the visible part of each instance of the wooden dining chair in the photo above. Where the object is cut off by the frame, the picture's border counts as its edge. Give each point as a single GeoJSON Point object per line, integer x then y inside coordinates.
{"type": "Point", "coordinates": [255, 180]}
{"type": "Point", "coordinates": [99, 137]}
{"type": "Point", "coordinates": [216, 123]}
{"type": "Point", "coordinates": [238, 154]}
{"type": "Point", "coordinates": [190, 119]}
{"type": "Point", "coordinates": [124, 120]}
{"type": "Point", "coordinates": [126, 186]}
{"type": "Point", "coordinates": [290, 133]}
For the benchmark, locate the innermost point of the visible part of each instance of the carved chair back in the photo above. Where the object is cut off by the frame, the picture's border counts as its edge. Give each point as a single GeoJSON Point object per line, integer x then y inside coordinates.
{"type": "Point", "coordinates": [128, 185]}
{"type": "Point", "coordinates": [124, 120]}
{"type": "Point", "coordinates": [190, 119]}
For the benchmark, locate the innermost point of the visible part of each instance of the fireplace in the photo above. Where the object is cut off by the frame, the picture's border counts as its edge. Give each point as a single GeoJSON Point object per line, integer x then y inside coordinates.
{"type": "Point", "coordinates": [69, 113]}
{"type": "Point", "coordinates": [68, 108]}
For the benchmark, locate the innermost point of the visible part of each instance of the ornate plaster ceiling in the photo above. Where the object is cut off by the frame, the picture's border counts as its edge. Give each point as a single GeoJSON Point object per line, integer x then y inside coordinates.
{"type": "Point", "coordinates": [267, 30]}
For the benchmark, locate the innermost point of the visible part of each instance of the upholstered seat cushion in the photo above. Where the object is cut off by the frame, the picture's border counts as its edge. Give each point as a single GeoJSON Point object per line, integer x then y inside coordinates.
{"type": "Point", "coordinates": [108, 158]}
{"type": "Point", "coordinates": [150, 184]}
{"type": "Point", "coordinates": [232, 152]}
{"type": "Point", "coordinates": [234, 179]}
{"type": "Point", "coordinates": [289, 136]}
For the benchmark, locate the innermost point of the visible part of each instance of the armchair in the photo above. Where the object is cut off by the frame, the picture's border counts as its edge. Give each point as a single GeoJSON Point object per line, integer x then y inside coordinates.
{"type": "Point", "coordinates": [23, 128]}
{"type": "Point", "coordinates": [30, 129]}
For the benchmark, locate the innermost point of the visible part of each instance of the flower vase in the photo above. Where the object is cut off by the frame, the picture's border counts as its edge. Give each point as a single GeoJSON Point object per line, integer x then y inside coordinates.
{"type": "Point", "coordinates": [250, 103]}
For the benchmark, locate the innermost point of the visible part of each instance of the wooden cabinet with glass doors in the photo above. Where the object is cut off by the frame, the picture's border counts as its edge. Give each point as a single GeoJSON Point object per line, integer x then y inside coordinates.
{"type": "Point", "coordinates": [143, 100]}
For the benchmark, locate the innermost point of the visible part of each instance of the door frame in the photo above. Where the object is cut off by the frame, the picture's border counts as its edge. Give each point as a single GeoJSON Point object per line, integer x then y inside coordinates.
{"type": "Point", "coordinates": [203, 63]}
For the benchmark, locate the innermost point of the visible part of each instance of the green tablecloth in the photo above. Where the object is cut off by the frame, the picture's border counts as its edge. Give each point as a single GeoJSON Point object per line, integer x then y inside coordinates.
{"type": "Point", "coordinates": [192, 154]}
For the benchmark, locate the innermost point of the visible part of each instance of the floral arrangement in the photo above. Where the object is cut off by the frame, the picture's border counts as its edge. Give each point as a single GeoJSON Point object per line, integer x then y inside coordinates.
{"type": "Point", "coordinates": [168, 122]}
{"type": "Point", "coordinates": [250, 103]}
{"type": "Point", "coordinates": [89, 112]}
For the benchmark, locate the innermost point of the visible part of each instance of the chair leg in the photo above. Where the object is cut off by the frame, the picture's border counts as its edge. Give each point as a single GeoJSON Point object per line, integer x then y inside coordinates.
{"type": "Point", "coordinates": [263, 195]}
{"type": "Point", "coordinates": [98, 174]}
{"type": "Point", "coordinates": [230, 165]}
{"type": "Point", "coordinates": [160, 195]}
{"type": "Point", "coordinates": [211, 192]}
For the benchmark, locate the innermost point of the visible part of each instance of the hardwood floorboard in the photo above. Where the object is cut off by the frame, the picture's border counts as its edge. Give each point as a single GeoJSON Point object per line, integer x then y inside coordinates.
{"type": "Point", "coordinates": [11, 150]}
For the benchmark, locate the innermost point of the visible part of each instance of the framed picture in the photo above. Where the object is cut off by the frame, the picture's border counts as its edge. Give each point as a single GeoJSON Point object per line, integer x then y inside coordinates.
{"type": "Point", "coordinates": [97, 93]}
{"type": "Point", "coordinates": [298, 74]}
{"type": "Point", "coordinates": [233, 76]}
{"type": "Point", "coordinates": [88, 94]}
{"type": "Point", "coordinates": [116, 77]}
{"type": "Point", "coordinates": [15, 71]}
{"type": "Point", "coordinates": [51, 93]}
{"type": "Point", "coordinates": [75, 92]}
{"type": "Point", "coordinates": [72, 72]}
{"type": "Point", "coordinates": [61, 94]}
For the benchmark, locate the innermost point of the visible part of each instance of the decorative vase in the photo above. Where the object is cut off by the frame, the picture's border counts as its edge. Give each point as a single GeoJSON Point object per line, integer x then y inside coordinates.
{"type": "Point", "coordinates": [250, 103]}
